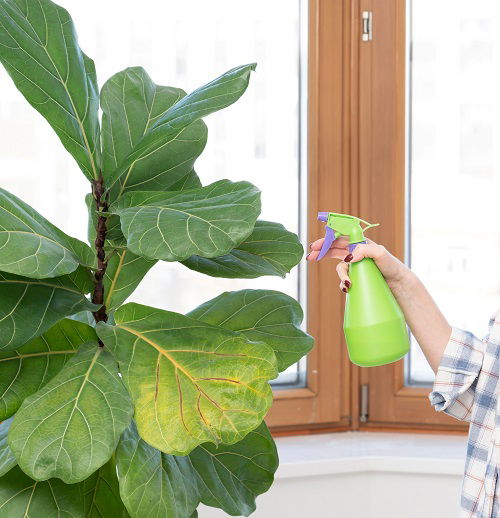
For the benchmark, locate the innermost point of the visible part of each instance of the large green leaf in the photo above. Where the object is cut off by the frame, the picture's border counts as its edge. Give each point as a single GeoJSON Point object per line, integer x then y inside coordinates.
{"type": "Point", "coordinates": [29, 307]}
{"type": "Point", "coordinates": [153, 483]}
{"type": "Point", "coordinates": [264, 316]}
{"type": "Point", "coordinates": [27, 369]}
{"type": "Point", "coordinates": [131, 104]}
{"type": "Point", "coordinates": [189, 181]}
{"type": "Point", "coordinates": [7, 459]}
{"type": "Point", "coordinates": [20, 496]}
{"type": "Point", "coordinates": [190, 382]}
{"type": "Point", "coordinates": [102, 494]}
{"type": "Point", "coordinates": [72, 425]}
{"type": "Point", "coordinates": [114, 235]}
{"type": "Point", "coordinates": [39, 49]}
{"type": "Point", "coordinates": [230, 477]}
{"type": "Point", "coordinates": [217, 94]}
{"type": "Point", "coordinates": [96, 497]}
{"type": "Point", "coordinates": [32, 247]}
{"type": "Point", "coordinates": [208, 221]}
{"type": "Point", "coordinates": [269, 250]}
{"type": "Point", "coordinates": [124, 273]}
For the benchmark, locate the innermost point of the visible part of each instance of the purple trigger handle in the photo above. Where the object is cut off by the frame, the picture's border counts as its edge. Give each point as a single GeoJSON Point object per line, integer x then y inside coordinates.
{"type": "Point", "coordinates": [329, 239]}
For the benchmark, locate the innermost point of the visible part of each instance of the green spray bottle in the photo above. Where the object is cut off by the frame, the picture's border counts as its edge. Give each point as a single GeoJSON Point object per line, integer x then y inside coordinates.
{"type": "Point", "coordinates": [374, 325]}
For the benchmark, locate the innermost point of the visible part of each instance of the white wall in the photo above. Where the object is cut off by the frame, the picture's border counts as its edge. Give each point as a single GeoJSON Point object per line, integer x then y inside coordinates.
{"type": "Point", "coordinates": [376, 482]}
{"type": "Point", "coordinates": [358, 495]}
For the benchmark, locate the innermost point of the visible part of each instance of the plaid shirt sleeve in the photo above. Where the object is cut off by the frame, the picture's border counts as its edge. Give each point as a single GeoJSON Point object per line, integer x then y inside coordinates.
{"type": "Point", "coordinates": [455, 384]}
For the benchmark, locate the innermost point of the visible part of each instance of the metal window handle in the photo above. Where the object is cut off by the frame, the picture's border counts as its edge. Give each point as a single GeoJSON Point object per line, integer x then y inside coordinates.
{"type": "Point", "coordinates": [363, 404]}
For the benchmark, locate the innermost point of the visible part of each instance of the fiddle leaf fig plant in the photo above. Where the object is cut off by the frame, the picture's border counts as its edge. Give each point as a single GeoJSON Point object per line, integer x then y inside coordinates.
{"type": "Point", "coordinates": [111, 408]}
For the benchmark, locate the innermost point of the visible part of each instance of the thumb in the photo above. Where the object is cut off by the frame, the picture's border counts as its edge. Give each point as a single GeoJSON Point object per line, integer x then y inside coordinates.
{"type": "Point", "coordinates": [371, 250]}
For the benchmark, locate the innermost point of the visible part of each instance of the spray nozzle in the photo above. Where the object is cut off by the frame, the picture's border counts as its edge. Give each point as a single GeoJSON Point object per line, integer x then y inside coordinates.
{"type": "Point", "coordinates": [342, 225]}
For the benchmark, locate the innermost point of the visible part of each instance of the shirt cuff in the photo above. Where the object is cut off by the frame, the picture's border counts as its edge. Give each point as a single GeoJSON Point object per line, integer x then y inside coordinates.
{"type": "Point", "coordinates": [455, 383]}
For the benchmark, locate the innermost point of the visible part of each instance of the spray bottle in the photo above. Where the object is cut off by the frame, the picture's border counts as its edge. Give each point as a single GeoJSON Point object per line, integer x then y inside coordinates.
{"type": "Point", "coordinates": [374, 325]}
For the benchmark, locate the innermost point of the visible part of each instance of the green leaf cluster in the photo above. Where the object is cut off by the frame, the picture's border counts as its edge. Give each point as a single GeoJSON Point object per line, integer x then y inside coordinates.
{"type": "Point", "coordinates": [117, 409]}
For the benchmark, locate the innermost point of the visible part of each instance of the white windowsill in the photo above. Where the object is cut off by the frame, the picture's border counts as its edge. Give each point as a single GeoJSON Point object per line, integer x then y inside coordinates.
{"type": "Point", "coordinates": [350, 452]}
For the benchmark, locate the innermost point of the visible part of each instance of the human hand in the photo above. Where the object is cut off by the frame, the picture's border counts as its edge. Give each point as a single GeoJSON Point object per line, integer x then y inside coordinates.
{"type": "Point", "coordinates": [391, 268]}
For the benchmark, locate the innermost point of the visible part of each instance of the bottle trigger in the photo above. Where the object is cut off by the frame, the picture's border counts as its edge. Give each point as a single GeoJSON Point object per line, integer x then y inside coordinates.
{"type": "Point", "coordinates": [329, 239]}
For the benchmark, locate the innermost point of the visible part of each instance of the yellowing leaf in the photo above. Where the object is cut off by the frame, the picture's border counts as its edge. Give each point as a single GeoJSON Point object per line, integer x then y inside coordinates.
{"type": "Point", "coordinates": [190, 382]}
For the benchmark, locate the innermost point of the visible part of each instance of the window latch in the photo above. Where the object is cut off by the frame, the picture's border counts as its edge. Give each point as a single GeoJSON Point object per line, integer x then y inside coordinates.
{"type": "Point", "coordinates": [367, 25]}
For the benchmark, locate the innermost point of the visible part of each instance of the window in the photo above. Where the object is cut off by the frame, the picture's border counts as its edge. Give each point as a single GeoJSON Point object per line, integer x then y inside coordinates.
{"type": "Point", "coordinates": [184, 44]}
{"type": "Point", "coordinates": [262, 138]}
{"type": "Point", "coordinates": [454, 167]}
{"type": "Point", "coordinates": [330, 122]}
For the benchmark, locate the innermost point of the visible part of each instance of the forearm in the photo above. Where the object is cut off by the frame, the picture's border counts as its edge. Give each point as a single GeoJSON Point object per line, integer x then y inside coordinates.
{"type": "Point", "coordinates": [427, 324]}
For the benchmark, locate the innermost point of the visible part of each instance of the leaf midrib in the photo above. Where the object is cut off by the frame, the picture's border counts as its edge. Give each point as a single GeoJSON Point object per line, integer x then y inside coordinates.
{"type": "Point", "coordinates": [164, 352]}
{"type": "Point", "coordinates": [46, 284]}
{"type": "Point", "coordinates": [96, 487]}
{"type": "Point", "coordinates": [115, 277]}
{"type": "Point", "coordinates": [76, 114]}
{"type": "Point", "coordinates": [33, 355]}
{"type": "Point", "coordinates": [146, 128]}
{"type": "Point", "coordinates": [193, 380]}
{"type": "Point", "coordinates": [30, 499]}
{"type": "Point", "coordinates": [189, 215]}
{"type": "Point", "coordinates": [77, 399]}
{"type": "Point", "coordinates": [161, 351]}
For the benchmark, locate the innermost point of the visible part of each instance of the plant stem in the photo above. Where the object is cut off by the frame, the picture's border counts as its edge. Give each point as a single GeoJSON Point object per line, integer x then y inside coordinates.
{"type": "Point", "coordinates": [101, 203]}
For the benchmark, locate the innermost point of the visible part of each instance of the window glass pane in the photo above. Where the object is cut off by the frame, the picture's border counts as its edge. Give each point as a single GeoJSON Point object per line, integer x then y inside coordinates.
{"type": "Point", "coordinates": [185, 44]}
{"type": "Point", "coordinates": [454, 165]}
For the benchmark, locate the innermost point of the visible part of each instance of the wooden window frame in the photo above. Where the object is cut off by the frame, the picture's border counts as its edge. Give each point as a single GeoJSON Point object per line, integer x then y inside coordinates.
{"type": "Point", "coordinates": [356, 165]}
{"type": "Point", "coordinates": [325, 402]}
